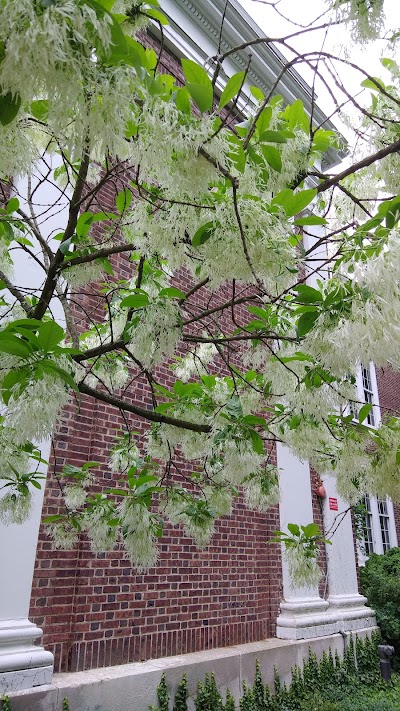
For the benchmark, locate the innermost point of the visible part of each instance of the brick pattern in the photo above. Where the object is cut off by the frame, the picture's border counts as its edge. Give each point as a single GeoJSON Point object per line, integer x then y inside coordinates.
{"type": "Point", "coordinates": [319, 519]}
{"type": "Point", "coordinates": [388, 382]}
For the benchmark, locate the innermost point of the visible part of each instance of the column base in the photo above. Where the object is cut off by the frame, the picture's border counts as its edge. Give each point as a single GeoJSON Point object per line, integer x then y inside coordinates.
{"type": "Point", "coordinates": [304, 619]}
{"type": "Point", "coordinates": [351, 612]}
{"type": "Point", "coordinates": [22, 663]}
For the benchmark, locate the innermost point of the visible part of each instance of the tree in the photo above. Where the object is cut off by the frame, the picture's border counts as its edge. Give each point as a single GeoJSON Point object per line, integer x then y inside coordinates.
{"type": "Point", "coordinates": [226, 200]}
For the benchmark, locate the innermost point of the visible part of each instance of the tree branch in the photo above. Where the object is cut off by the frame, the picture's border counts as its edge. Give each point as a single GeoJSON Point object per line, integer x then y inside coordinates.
{"type": "Point", "coordinates": [149, 415]}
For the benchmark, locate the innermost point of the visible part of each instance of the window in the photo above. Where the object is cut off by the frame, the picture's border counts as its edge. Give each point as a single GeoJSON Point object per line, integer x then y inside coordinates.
{"type": "Point", "coordinates": [368, 540]}
{"type": "Point", "coordinates": [384, 524]}
{"type": "Point", "coordinates": [367, 392]}
{"type": "Point", "coordinates": [379, 529]}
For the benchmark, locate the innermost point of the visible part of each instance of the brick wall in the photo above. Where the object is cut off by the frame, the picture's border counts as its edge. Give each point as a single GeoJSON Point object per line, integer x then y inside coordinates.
{"type": "Point", "coordinates": [97, 610]}
{"type": "Point", "coordinates": [388, 382]}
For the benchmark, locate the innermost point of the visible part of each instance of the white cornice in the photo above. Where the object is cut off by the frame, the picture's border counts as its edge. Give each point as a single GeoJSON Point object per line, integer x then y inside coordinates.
{"type": "Point", "coordinates": [194, 32]}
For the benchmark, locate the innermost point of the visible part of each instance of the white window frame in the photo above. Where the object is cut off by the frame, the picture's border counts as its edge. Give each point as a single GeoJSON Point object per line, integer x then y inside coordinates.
{"type": "Point", "coordinates": [376, 533]}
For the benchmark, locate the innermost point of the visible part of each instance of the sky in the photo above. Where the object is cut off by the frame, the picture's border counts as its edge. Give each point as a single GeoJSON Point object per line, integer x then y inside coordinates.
{"type": "Point", "coordinates": [338, 41]}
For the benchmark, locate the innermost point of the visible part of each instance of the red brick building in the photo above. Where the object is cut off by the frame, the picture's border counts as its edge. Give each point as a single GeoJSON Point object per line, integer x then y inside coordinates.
{"type": "Point", "coordinates": [95, 610]}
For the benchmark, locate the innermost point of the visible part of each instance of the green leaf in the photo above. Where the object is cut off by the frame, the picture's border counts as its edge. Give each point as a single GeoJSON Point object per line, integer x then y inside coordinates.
{"type": "Point", "coordinates": [53, 518]}
{"type": "Point", "coordinates": [258, 311]}
{"type": "Point", "coordinates": [296, 116]}
{"type": "Point", "coordinates": [369, 84]}
{"type": "Point", "coordinates": [172, 293]}
{"type": "Point", "coordinates": [257, 442]}
{"type": "Point", "coordinates": [12, 205]}
{"type": "Point", "coordinates": [49, 335]}
{"type": "Point", "coordinates": [257, 93]}
{"type": "Point", "coordinates": [294, 203]}
{"type": "Point", "coordinates": [231, 90]}
{"type": "Point", "coordinates": [9, 107]}
{"type": "Point", "coordinates": [136, 301]}
{"type": "Point", "coordinates": [310, 220]}
{"type": "Point", "coordinates": [301, 200]}
{"type": "Point", "coordinates": [307, 294]}
{"type": "Point", "coordinates": [198, 84]}
{"type": "Point", "coordinates": [203, 234]}
{"type": "Point", "coordinates": [273, 157]}
{"type": "Point", "coordinates": [364, 412]}
{"type": "Point", "coordinates": [311, 530]}
{"type": "Point", "coordinates": [35, 483]}
{"type": "Point", "coordinates": [294, 529]}
{"type": "Point", "coordinates": [124, 199]}
{"type": "Point", "coordinates": [182, 100]}
{"type": "Point", "coordinates": [388, 63]}
{"type": "Point", "coordinates": [263, 120]}
{"type": "Point", "coordinates": [14, 346]}
{"type": "Point", "coordinates": [83, 224]}
{"type": "Point", "coordinates": [157, 15]}
{"type": "Point", "coordinates": [306, 322]}
{"type": "Point", "coordinates": [40, 109]}
{"type": "Point", "coordinates": [273, 137]}
{"type": "Point", "coordinates": [398, 455]}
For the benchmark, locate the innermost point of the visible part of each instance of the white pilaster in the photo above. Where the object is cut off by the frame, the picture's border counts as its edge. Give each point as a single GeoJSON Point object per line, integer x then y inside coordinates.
{"type": "Point", "coordinates": [302, 612]}
{"type": "Point", "coordinates": [22, 663]}
{"type": "Point", "coordinates": [346, 604]}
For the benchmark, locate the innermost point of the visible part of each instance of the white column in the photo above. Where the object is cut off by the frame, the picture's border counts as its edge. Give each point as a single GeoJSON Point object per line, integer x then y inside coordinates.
{"type": "Point", "coordinates": [302, 612]}
{"type": "Point", "coordinates": [346, 604]}
{"type": "Point", "coordinates": [23, 664]}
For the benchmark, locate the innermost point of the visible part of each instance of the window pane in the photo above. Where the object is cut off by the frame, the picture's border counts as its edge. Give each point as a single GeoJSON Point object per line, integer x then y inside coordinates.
{"type": "Point", "coordinates": [368, 540]}
{"type": "Point", "coordinates": [384, 524]}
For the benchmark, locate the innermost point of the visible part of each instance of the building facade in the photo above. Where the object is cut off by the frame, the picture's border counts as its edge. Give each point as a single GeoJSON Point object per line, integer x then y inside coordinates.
{"type": "Point", "coordinates": [95, 610]}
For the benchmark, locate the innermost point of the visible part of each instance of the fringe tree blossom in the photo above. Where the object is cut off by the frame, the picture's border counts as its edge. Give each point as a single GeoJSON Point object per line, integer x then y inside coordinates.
{"type": "Point", "coordinates": [303, 569]}
{"type": "Point", "coordinates": [163, 191]}
{"type": "Point", "coordinates": [365, 17]}
{"type": "Point", "coordinates": [15, 507]}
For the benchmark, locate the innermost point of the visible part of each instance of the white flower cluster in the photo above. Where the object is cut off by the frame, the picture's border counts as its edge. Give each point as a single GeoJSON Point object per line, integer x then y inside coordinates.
{"type": "Point", "coordinates": [123, 455]}
{"type": "Point", "coordinates": [195, 362]}
{"type": "Point", "coordinates": [95, 521]}
{"type": "Point", "coordinates": [45, 397]}
{"type": "Point", "coordinates": [63, 535]}
{"type": "Point", "coordinates": [139, 539]}
{"type": "Point", "coordinates": [360, 337]}
{"type": "Point", "coordinates": [288, 387]}
{"type": "Point", "coordinates": [15, 507]}
{"type": "Point", "coordinates": [48, 53]}
{"type": "Point", "coordinates": [262, 490]}
{"type": "Point", "coordinates": [304, 571]}
{"type": "Point", "coordinates": [157, 333]}
{"type": "Point", "coordinates": [111, 372]}
{"type": "Point", "coordinates": [83, 274]}
{"type": "Point", "coordinates": [174, 163]}
{"type": "Point", "coordinates": [366, 17]}
{"type": "Point", "coordinates": [200, 528]}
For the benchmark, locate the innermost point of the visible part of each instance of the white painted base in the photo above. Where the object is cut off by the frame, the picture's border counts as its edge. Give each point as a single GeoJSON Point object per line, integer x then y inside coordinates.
{"type": "Point", "coordinates": [351, 612]}
{"type": "Point", "coordinates": [304, 619]}
{"type": "Point", "coordinates": [25, 679]}
{"type": "Point", "coordinates": [22, 663]}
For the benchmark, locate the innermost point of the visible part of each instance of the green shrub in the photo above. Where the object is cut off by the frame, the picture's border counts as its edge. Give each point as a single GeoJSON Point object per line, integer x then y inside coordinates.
{"type": "Point", "coordinates": [5, 703]}
{"type": "Point", "coordinates": [208, 697]}
{"type": "Point", "coordinates": [362, 703]}
{"type": "Point", "coordinates": [180, 701]}
{"type": "Point", "coordinates": [330, 684]}
{"type": "Point", "coordinates": [380, 584]}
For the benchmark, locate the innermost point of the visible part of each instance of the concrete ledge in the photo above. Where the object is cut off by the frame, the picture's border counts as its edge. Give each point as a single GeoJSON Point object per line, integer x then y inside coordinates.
{"type": "Point", "coordinates": [132, 687]}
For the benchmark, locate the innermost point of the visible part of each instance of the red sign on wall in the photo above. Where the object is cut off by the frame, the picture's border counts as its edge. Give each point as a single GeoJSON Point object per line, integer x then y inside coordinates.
{"type": "Point", "coordinates": [333, 504]}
